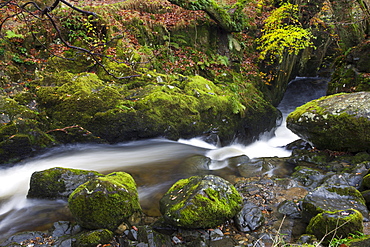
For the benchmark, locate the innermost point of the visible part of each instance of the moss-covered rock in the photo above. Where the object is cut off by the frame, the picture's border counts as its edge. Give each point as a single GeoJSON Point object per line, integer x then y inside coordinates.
{"type": "Point", "coordinates": [336, 122]}
{"type": "Point", "coordinates": [105, 202]}
{"type": "Point", "coordinates": [333, 198]}
{"type": "Point", "coordinates": [21, 130]}
{"type": "Point", "coordinates": [174, 107]}
{"type": "Point", "coordinates": [200, 202]}
{"type": "Point", "coordinates": [339, 224]}
{"type": "Point", "coordinates": [74, 98]}
{"type": "Point", "coordinates": [58, 182]}
{"type": "Point", "coordinates": [93, 238]}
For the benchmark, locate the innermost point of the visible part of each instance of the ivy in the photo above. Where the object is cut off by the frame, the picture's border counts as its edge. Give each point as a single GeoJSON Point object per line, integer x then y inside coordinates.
{"type": "Point", "coordinates": [283, 34]}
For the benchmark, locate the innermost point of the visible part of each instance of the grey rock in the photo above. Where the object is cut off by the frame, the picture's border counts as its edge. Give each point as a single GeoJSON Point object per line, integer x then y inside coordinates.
{"type": "Point", "coordinates": [336, 122]}
{"type": "Point", "coordinates": [249, 218]}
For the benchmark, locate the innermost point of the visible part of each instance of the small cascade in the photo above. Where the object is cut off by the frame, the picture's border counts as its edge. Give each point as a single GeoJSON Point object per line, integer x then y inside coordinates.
{"type": "Point", "coordinates": [158, 160]}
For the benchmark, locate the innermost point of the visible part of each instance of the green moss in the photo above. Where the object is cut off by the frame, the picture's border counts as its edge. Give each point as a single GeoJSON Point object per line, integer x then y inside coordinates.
{"type": "Point", "coordinates": [339, 223]}
{"type": "Point", "coordinates": [77, 99]}
{"type": "Point", "coordinates": [93, 238]}
{"type": "Point", "coordinates": [339, 131]}
{"type": "Point", "coordinates": [191, 207]}
{"type": "Point", "coordinates": [311, 106]}
{"type": "Point", "coordinates": [119, 179]}
{"type": "Point", "coordinates": [21, 130]}
{"type": "Point", "coordinates": [105, 202]}
{"type": "Point", "coordinates": [348, 190]}
{"type": "Point", "coordinates": [7, 130]}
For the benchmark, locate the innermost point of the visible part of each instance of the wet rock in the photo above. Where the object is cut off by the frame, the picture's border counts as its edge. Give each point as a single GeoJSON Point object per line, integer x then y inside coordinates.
{"type": "Point", "coordinates": [332, 198]}
{"type": "Point", "coordinates": [317, 157]}
{"type": "Point", "coordinates": [299, 144]}
{"type": "Point", "coordinates": [308, 177]}
{"type": "Point", "coordinates": [251, 168]}
{"type": "Point", "coordinates": [239, 160]}
{"type": "Point", "coordinates": [249, 218]}
{"type": "Point", "coordinates": [290, 208]}
{"type": "Point", "coordinates": [144, 236]}
{"type": "Point", "coordinates": [195, 165]}
{"type": "Point", "coordinates": [235, 163]}
{"type": "Point", "coordinates": [265, 166]}
{"type": "Point", "coordinates": [340, 224]}
{"type": "Point", "coordinates": [105, 202]}
{"type": "Point", "coordinates": [58, 182]}
{"type": "Point", "coordinates": [62, 228]}
{"type": "Point", "coordinates": [337, 122]}
{"type": "Point", "coordinates": [347, 179]}
{"type": "Point", "coordinates": [200, 202]}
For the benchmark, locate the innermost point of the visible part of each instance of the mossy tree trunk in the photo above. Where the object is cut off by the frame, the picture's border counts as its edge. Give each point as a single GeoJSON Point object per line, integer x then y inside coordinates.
{"type": "Point", "coordinates": [229, 17]}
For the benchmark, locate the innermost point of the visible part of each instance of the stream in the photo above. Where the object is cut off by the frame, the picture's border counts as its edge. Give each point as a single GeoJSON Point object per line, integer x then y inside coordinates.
{"type": "Point", "coordinates": [155, 165]}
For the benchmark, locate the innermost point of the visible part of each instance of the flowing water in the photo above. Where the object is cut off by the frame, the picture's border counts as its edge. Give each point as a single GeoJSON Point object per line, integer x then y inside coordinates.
{"type": "Point", "coordinates": [155, 165]}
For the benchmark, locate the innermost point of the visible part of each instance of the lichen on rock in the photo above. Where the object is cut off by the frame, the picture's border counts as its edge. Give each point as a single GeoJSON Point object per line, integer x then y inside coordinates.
{"type": "Point", "coordinates": [337, 122]}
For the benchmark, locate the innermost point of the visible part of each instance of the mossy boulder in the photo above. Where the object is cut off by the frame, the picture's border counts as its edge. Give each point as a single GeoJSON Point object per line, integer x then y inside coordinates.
{"type": "Point", "coordinates": [333, 198]}
{"type": "Point", "coordinates": [93, 238]}
{"type": "Point", "coordinates": [71, 99]}
{"type": "Point", "coordinates": [105, 202]}
{"type": "Point", "coordinates": [184, 107]}
{"type": "Point", "coordinates": [337, 122]}
{"type": "Point", "coordinates": [58, 182]}
{"type": "Point", "coordinates": [200, 202]}
{"type": "Point", "coordinates": [153, 105]}
{"type": "Point", "coordinates": [339, 224]}
{"type": "Point", "coordinates": [21, 130]}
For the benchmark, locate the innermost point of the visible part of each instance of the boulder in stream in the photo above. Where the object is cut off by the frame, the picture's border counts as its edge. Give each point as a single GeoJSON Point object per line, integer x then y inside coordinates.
{"type": "Point", "coordinates": [337, 122]}
{"type": "Point", "coordinates": [58, 182]}
{"type": "Point", "coordinates": [200, 202]}
{"type": "Point", "coordinates": [105, 202]}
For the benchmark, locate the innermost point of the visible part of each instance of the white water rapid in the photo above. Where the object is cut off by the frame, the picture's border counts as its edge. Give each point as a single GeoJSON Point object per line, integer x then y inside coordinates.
{"type": "Point", "coordinates": [155, 164]}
